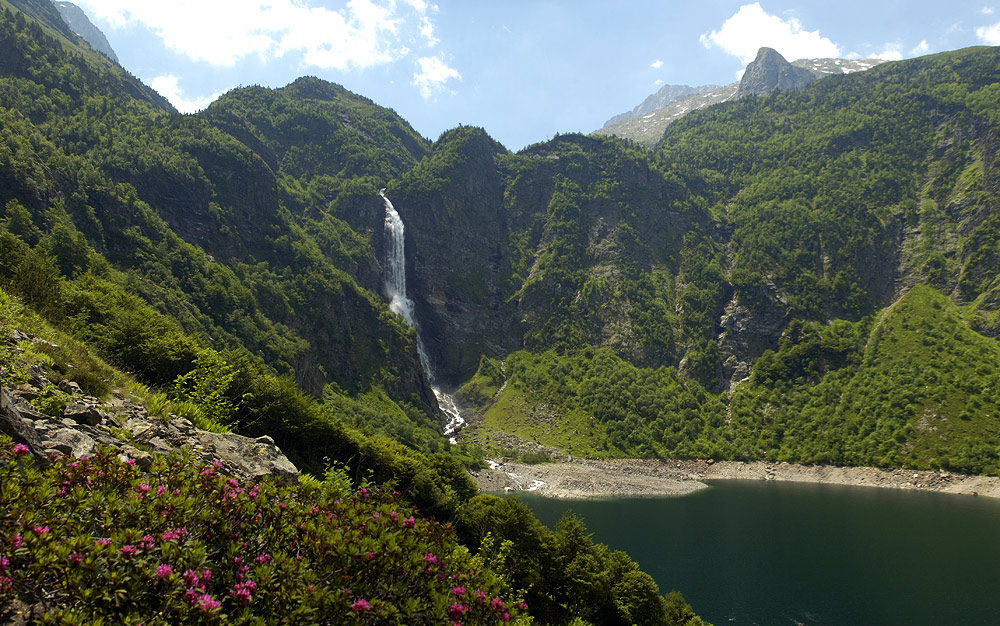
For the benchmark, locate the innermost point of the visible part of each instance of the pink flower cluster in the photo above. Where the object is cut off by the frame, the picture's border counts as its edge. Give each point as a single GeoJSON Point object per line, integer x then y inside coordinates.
{"type": "Point", "coordinates": [172, 535]}
{"type": "Point", "coordinates": [457, 610]}
{"type": "Point", "coordinates": [164, 570]}
{"type": "Point", "coordinates": [194, 579]}
{"type": "Point", "coordinates": [242, 592]}
{"type": "Point", "coordinates": [5, 581]}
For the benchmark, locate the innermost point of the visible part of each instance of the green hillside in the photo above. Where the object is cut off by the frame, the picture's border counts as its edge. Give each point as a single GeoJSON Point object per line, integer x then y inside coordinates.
{"type": "Point", "coordinates": [227, 266]}
{"type": "Point", "coordinates": [810, 276]}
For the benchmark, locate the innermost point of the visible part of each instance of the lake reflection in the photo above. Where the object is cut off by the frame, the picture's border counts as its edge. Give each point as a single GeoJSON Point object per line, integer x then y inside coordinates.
{"type": "Point", "coordinates": [750, 552]}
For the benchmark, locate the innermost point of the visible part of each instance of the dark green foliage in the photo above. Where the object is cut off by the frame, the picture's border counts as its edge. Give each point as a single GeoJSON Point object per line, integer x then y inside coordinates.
{"type": "Point", "coordinates": [567, 577]}
{"type": "Point", "coordinates": [603, 405]}
{"type": "Point", "coordinates": [911, 387]}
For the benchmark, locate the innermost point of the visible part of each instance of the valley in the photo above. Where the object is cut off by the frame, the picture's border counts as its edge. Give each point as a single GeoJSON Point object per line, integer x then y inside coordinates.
{"type": "Point", "coordinates": [798, 283]}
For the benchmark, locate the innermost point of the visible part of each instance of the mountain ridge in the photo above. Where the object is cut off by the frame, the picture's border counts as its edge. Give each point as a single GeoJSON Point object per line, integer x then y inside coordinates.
{"type": "Point", "coordinates": [78, 21]}
{"type": "Point", "coordinates": [647, 128]}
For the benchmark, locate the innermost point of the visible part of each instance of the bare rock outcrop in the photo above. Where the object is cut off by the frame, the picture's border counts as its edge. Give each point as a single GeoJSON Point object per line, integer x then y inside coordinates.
{"type": "Point", "coordinates": [87, 423]}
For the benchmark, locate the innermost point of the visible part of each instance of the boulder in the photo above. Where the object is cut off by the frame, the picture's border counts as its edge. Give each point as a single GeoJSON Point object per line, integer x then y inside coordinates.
{"type": "Point", "coordinates": [70, 387]}
{"type": "Point", "coordinates": [19, 429]}
{"type": "Point", "coordinates": [83, 413]}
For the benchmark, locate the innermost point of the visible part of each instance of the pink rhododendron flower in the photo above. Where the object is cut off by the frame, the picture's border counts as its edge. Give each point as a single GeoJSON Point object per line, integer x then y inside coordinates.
{"type": "Point", "coordinates": [409, 522]}
{"type": "Point", "coordinates": [163, 570]}
{"type": "Point", "coordinates": [191, 577]}
{"type": "Point", "coordinates": [360, 605]}
{"type": "Point", "coordinates": [208, 604]}
{"type": "Point", "coordinates": [75, 558]}
{"type": "Point", "coordinates": [129, 550]}
{"type": "Point", "coordinates": [41, 530]}
{"type": "Point", "coordinates": [20, 449]}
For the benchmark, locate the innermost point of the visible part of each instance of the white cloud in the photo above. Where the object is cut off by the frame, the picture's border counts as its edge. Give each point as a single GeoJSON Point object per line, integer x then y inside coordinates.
{"type": "Point", "coordinates": [433, 75]}
{"type": "Point", "coordinates": [363, 33]}
{"type": "Point", "coordinates": [427, 31]}
{"type": "Point", "coordinates": [751, 28]}
{"type": "Point", "coordinates": [657, 82]}
{"type": "Point", "coordinates": [921, 48]}
{"type": "Point", "coordinates": [657, 64]}
{"type": "Point", "coordinates": [168, 87]}
{"type": "Point", "coordinates": [989, 34]}
{"type": "Point", "coordinates": [986, 10]}
{"type": "Point", "coordinates": [890, 52]}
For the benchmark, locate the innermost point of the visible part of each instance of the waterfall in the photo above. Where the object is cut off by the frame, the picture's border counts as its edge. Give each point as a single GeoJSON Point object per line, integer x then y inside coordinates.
{"type": "Point", "coordinates": [395, 288]}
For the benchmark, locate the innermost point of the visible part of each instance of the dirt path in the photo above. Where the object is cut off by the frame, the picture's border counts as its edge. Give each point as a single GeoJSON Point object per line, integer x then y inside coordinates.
{"type": "Point", "coordinates": [585, 478]}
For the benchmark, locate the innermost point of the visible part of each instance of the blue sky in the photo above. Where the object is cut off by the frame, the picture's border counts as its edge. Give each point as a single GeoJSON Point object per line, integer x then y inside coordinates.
{"type": "Point", "coordinates": [522, 69]}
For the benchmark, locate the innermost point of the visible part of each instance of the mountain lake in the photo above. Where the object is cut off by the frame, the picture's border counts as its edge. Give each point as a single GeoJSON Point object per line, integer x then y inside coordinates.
{"type": "Point", "coordinates": [772, 553]}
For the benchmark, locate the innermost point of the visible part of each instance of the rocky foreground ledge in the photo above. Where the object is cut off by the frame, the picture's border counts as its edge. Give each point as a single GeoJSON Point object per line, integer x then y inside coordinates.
{"type": "Point", "coordinates": [588, 478]}
{"type": "Point", "coordinates": [86, 423]}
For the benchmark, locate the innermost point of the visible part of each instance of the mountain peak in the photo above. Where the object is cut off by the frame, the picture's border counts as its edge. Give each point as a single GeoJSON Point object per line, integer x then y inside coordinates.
{"type": "Point", "coordinates": [80, 24]}
{"type": "Point", "coordinates": [771, 72]}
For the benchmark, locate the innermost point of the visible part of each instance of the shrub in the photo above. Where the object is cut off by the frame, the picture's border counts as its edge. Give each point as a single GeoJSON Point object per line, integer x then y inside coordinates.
{"type": "Point", "coordinates": [94, 540]}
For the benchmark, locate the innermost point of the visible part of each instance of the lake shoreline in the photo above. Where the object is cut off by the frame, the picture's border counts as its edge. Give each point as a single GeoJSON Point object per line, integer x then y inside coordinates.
{"type": "Point", "coordinates": [592, 478]}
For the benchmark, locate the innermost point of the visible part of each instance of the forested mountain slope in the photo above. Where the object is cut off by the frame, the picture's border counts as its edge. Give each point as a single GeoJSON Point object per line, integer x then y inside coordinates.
{"type": "Point", "coordinates": [807, 207]}
{"type": "Point", "coordinates": [754, 227]}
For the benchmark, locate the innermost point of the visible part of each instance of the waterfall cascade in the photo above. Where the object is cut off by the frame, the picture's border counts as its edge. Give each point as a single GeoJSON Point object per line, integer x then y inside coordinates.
{"type": "Point", "coordinates": [395, 287]}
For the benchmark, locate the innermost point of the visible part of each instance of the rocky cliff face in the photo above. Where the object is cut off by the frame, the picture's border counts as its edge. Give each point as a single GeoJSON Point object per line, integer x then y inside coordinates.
{"type": "Point", "coordinates": [457, 252]}
{"type": "Point", "coordinates": [80, 24]}
{"type": "Point", "coordinates": [771, 72]}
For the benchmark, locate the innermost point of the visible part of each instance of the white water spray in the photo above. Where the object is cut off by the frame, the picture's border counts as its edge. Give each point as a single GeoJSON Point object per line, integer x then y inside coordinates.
{"type": "Point", "coordinates": [395, 287]}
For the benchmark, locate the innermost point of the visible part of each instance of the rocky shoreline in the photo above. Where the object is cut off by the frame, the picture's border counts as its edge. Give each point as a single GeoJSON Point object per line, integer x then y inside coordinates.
{"type": "Point", "coordinates": [589, 478]}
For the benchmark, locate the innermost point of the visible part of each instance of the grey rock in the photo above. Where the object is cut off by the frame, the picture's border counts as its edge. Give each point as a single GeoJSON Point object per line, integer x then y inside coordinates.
{"type": "Point", "coordinates": [250, 459]}
{"type": "Point", "coordinates": [142, 458]}
{"type": "Point", "coordinates": [29, 412]}
{"type": "Point", "coordinates": [666, 95]}
{"type": "Point", "coordinates": [71, 442]}
{"type": "Point", "coordinates": [20, 430]}
{"type": "Point", "coordinates": [80, 24]}
{"type": "Point", "coordinates": [70, 387]}
{"type": "Point", "coordinates": [80, 430]}
{"type": "Point", "coordinates": [83, 414]}
{"type": "Point", "coordinates": [771, 72]}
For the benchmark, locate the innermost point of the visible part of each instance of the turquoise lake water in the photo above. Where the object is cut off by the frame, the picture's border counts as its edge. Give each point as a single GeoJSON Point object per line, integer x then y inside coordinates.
{"type": "Point", "coordinates": [768, 553]}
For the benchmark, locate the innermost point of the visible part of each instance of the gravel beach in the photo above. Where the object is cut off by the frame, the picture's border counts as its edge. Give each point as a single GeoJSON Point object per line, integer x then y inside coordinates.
{"type": "Point", "coordinates": [588, 478]}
